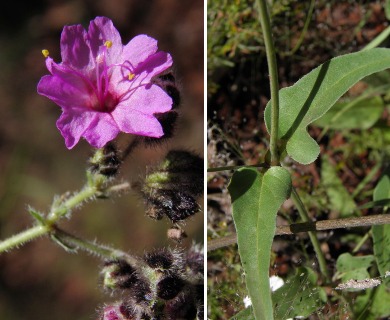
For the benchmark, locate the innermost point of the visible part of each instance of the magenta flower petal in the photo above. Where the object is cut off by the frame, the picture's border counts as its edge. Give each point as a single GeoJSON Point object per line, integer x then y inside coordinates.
{"type": "Point", "coordinates": [101, 130]}
{"type": "Point", "coordinates": [75, 51]}
{"type": "Point", "coordinates": [147, 99]}
{"type": "Point", "coordinates": [153, 66]}
{"type": "Point", "coordinates": [101, 29]}
{"type": "Point", "coordinates": [104, 87]}
{"type": "Point", "coordinates": [139, 49]}
{"type": "Point", "coordinates": [138, 123]}
{"type": "Point", "coordinates": [73, 125]}
{"type": "Point", "coordinates": [65, 89]}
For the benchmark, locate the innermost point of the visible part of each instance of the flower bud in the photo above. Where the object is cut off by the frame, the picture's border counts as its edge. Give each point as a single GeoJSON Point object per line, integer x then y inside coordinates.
{"type": "Point", "coordinates": [118, 274]}
{"type": "Point", "coordinates": [182, 306]}
{"type": "Point", "coordinates": [140, 291]}
{"type": "Point", "coordinates": [171, 188]}
{"type": "Point", "coordinates": [177, 206]}
{"type": "Point", "coordinates": [169, 287]}
{"type": "Point", "coordinates": [161, 259]}
{"type": "Point", "coordinates": [105, 161]}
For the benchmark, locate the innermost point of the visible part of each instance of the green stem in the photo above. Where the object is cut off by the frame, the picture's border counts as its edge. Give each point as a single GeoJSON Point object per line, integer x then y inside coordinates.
{"type": "Point", "coordinates": [312, 235]}
{"type": "Point", "coordinates": [273, 72]}
{"type": "Point", "coordinates": [23, 237]}
{"type": "Point", "coordinates": [58, 212]}
{"type": "Point", "coordinates": [92, 247]}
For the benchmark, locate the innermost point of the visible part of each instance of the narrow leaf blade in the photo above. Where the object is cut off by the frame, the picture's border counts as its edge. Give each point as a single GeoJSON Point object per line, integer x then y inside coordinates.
{"type": "Point", "coordinates": [256, 199]}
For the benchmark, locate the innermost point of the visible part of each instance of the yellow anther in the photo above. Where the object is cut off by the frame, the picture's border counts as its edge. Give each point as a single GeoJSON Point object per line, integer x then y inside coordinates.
{"type": "Point", "coordinates": [45, 53]}
{"type": "Point", "coordinates": [131, 76]}
{"type": "Point", "coordinates": [108, 44]}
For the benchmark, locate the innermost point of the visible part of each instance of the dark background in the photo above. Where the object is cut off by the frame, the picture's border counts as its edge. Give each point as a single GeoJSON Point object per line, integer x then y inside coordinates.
{"type": "Point", "coordinates": [40, 280]}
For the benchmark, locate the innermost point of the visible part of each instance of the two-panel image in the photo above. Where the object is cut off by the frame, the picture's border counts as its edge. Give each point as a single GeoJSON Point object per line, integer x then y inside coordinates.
{"type": "Point", "coordinates": [190, 160]}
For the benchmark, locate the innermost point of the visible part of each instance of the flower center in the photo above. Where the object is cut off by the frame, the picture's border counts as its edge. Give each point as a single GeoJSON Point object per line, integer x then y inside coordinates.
{"type": "Point", "coordinates": [107, 100]}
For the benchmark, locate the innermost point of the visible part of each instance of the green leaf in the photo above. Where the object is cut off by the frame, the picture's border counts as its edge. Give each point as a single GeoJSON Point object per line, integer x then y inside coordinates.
{"type": "Point", "coordinates": [382, 189]}
{"type": "Point", "coordinates": [256, 199]}
{"type": "Point", "coordinates": [381, 239]}
{"type": "Point", "coordinates": [299, 296]}
{"type": "Point", "coordinates": [373, 204]}
{"type": "Point", "coordinates": [340, 199]}
{"type": "Point", "coordinates": [313, 95]}
{"type": "Point", "coordinates": [38, 216]}
{"type": "Point", "coordinates": [371, 305]}
{"type": "Point", "coordinates": [381, 234]}
{"type": "Point", "coordinates": [356, 114]}
{"type": "Point", "coordinates": [378, 308]}
{"type": "Point", "coordinates": [350, 267]}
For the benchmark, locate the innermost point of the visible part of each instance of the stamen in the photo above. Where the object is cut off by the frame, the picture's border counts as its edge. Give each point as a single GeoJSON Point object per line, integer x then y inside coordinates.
{"type": "Point", "coordinates": [108, 44]}
{"type": "Point", "coordinates": [45, 53]}
{"type": "Point", "coordinates": [131, 76]}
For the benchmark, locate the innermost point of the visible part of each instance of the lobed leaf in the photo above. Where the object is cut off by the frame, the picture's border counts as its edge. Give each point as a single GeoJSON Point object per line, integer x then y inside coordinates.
{"type": "Point", "coordinates": [355, 114]}
{"type": "Point", "coordinates": [314, 94]}
{"type": "Point", "coordinates": [256, 199]}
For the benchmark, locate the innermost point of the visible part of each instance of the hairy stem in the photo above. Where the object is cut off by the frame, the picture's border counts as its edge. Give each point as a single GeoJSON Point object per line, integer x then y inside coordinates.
{"type": "Point", "coordinates": [78, 198]}
{"type": "Point", "coordinates": [92, 247]}
{"type": "Point", "coordinates": [273, 74]}
{"type": "Point", "coordinates": [23, 237]}
{"type": "Point", "coordinates": [58, 210]}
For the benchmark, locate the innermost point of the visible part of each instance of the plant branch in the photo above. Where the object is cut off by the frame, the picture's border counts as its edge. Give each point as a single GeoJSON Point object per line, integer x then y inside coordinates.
{"type": "Point", "coordinates": [92, 247]}
{"type": "Point", "coordinates": [322, 225]}
{"type": "Point", "coordinates": [58, 210]}
{"type": "Point", "coordinates": [23, 237]}
{"type": "Point", "coordinates": [274, 82]}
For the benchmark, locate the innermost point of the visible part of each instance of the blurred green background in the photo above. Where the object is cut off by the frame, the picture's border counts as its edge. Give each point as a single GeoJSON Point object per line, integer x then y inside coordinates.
{"type": "Point", "coordinates": [40, 280]}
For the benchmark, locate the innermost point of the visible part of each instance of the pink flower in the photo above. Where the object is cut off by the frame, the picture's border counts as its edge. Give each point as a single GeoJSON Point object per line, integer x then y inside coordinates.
{"type": "Point", "coordinates": [104, 87]}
